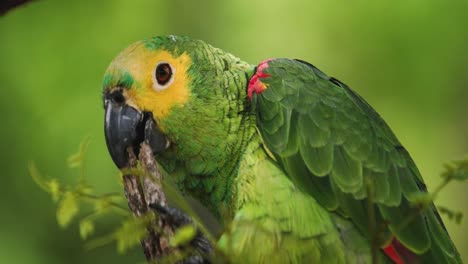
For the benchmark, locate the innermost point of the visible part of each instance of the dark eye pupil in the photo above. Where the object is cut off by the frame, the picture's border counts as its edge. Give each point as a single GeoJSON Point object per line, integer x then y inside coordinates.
{"type": "Point", "coordinates": [163, 73]}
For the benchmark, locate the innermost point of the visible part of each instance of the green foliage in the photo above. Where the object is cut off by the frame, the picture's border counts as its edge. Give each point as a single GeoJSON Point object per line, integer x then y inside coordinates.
{"type": "Point", "coordinates": [456, 170]}
{"type": "Point", "coordinates": [67, 209]}
{"type": "Point", "coordinates": [131, 232]}
{"type": "Point", "coordinates": [456, 216]}
{"type": "Point", "coordinates": [420, 199]}
{"type": "Point", "coordinates": [73, 199]}
{"type": "Point", "coordinates": [86, 228]}
{"type": "Point", "coordinates": [77, 160]}
{"type": "Point", "coordinates": [49, 185]}
{"type": "Point", "coordinates": [183, 235]}
{"type": "Point", "coordinates": [128, 235]}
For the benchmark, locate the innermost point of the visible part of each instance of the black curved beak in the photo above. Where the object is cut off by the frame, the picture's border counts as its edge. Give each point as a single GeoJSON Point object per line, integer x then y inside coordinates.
{"type": "Point", "coordinates": [125, 127]}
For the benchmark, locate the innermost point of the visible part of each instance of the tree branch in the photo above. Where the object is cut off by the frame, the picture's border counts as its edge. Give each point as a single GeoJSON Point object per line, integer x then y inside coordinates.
{"type": "Point", "coordinates": [140, 196]}
{"type": "Point", "coordinates": [7, 5]}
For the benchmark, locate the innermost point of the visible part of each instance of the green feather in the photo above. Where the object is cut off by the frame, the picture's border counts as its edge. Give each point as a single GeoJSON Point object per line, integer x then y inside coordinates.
{"type": "Point", "coordinates": [311, 134]}
{"type": "Point", "coordinates": [343, 146]}
{"type": "Point", "coordinates": [346, 172]}
{"type": "Point", "coordinates": [320, 186]}
{"type": "Point", "coordinates": [408, 225]}
{"type": "Point", "coordinates": [438, 233]}
{"type": "Point", "coordinates": [319, 160]}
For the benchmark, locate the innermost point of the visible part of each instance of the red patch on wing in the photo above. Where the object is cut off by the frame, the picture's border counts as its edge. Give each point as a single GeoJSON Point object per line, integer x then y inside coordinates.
{"type": "Point", "coordinates": [391, 252]}
{"type": "Point", "coordinates": [398, 253]}
{"type": "Point", "coordinates": [255, 85]}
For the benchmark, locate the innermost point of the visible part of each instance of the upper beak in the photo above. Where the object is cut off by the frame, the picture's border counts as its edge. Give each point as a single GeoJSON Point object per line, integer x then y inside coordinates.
{"type": "Point", "coordinates": [126, 128]}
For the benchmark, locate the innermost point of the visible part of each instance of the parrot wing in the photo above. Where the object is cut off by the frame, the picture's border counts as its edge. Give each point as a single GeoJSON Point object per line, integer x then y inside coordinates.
{"type": "Point", "coordinates": [335, 147]}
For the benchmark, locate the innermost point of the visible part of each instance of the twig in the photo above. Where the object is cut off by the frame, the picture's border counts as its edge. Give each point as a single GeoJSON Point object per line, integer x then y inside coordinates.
{"type": "Point", "coordinates": [154, 194]}
{"type": "Point", "coordinates": [139, 197]}
{"type": "Point", "coordinates": [7, 5]}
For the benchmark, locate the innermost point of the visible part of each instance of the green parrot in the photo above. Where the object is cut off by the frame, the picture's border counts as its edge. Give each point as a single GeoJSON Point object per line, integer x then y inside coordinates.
{"type": "Point", "coordinates": [296, 165]}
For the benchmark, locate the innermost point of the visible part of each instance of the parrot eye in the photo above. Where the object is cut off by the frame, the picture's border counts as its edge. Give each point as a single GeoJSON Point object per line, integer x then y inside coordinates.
{"type": "Point", "coordinates": [163, 75]}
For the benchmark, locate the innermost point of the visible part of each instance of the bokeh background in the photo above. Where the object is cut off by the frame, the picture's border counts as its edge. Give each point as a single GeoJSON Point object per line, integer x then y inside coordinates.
{"type": "Point", "coordinates": [409, 59]}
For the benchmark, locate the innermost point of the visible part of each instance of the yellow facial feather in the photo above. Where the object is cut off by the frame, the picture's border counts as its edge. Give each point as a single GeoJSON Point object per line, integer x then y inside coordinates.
{"type": "Point", "coordinates": [140, 62]}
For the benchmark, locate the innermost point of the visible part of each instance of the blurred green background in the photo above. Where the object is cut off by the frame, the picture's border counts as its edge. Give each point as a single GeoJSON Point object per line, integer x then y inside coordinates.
{"type": "Point", "coordinates": [409, 59]}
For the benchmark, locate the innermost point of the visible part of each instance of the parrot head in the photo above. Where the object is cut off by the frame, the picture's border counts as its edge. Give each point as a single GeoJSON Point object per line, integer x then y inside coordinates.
{"type": "Point", "coordinates": [183, 96]}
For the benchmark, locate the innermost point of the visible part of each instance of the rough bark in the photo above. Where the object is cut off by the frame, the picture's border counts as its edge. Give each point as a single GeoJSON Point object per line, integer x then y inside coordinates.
{"type": "Point", "coordinates": [140, 196]}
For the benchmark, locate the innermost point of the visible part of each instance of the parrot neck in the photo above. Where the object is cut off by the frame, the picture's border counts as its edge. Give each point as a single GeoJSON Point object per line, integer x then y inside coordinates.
{"type": "Point", "coordinates": [227, 194]}
{"type": "Point", "coordinates": [212, 183]}
{"type": "Point", "coordinates": [243, 177]}
{"type": "Point", "coordinates": [217, 191]}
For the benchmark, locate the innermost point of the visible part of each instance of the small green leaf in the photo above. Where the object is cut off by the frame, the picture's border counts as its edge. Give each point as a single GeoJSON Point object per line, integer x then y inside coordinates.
{"type": "Point", "coordinates": [451, 214]}
{"type": "Point", "coordinates": [67, 209]}
{"type": "Point", "coordinates": [49, 185]}
{"type": "Point", "coordinates": [37, 177]}
{"type": "Point", "coordinates": [130, 233]}
{"type": "Point", "coordinates": [102, 204]}
{"type": "Point", "coordinates": [86, 228]}
{"type": "Point", "coordinates": [458, 217]}
{"type": "Point", "coordinates": [76, 160]}
{"type": "Point", "coordinates": [84, 188]}
{"type": "Point", "coordinates": [99, 242]}
{"type": "Point", "coordinates": [54, 189]}
{"type": "Point", "coordinates": [456, 170]}
{"type": "Point", "coordinates": [420, 199]}
{"type": "Point", "coordinates": [183, 235]}
{"type": "Point", "coordinates": [132, 171]}
{"type": "Point", "coordinates": [460, 175]}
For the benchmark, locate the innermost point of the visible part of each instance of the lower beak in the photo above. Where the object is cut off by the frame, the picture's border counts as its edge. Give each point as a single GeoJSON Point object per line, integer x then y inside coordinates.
{"type": "Point", "coordinates": [126, 128]}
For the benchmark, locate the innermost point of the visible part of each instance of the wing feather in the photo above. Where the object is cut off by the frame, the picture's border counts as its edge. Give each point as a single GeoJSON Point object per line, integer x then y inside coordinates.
{"type": "Point", "coordinates": [338, 149]}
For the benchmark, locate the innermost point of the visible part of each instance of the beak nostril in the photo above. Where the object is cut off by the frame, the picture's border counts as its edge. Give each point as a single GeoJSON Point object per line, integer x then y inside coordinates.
{"type": "Point", "coordinates": [116, 97]}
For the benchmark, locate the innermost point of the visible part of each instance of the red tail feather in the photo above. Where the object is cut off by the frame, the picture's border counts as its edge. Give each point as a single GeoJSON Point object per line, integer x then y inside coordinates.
{"type": "Point", "coordinates": [399, 253]}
